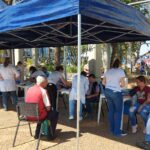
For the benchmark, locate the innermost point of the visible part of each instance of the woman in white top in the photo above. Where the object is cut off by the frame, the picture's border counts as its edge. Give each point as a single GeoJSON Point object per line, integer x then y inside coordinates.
{"type": "Point", "coordinates": [53, 79]}
{"type": "Point", "coordinates": [8, 75]}
{"type": "Point", "coordinates": [113, 81]}
{"type": "Point", "coordinates": [84, 86]}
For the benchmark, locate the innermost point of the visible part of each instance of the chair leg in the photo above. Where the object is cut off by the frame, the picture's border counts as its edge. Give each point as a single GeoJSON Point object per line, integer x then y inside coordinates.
{"type": "Point", "coordinates": [64, 98]}
{"type": "Point", "coordinates": [38, 142]}
{"type": "Point", "coordinates": [128, 124]}
{"type": "Point", "coordinates": [106, 105]}
{"type": "Point", "coordinates": [16, 133]}
{"type": "Point", "coordinates": [30, 128]}
{"type": "Point", "coordinates": [102, 111]}
{"type": "Point", "coordinates": [99, 109]}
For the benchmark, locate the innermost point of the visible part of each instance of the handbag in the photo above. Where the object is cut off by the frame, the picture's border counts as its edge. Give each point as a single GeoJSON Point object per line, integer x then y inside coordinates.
{"type": "Point", "coordinates": [45, 127]}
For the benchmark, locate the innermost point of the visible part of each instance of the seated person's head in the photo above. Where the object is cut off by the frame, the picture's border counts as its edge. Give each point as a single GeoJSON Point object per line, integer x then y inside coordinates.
{"type": "Point", "coordinates": [92, 78]}
{"type": "Point", "coordinates": [59, 68]}
{"type": "Point", "coordinates": [19, 63]}
{"type": "Point", "coordinates": [141, 81]}
{"type": "Point", "coordinates": [32, 69]}
{"type": "Point", "coordinates": [41, 81]}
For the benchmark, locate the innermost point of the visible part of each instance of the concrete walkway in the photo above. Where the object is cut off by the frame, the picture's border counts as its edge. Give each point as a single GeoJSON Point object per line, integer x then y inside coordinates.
{"type": "Point", "coordinates": [93, 136]}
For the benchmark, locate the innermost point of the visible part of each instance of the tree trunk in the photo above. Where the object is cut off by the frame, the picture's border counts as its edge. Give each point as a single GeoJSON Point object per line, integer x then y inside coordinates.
{"type": "Point", "coordinates": [57, 56]}
{"type": "Point", "coordinates": [115, 53]}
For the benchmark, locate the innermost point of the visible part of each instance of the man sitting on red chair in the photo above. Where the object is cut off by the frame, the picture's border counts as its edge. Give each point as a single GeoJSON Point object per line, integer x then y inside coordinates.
{"type": "Point", "coordinates": [37, 94]}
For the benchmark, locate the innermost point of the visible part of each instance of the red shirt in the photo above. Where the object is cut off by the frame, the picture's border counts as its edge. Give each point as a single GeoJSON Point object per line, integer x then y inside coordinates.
{"type": "Point", "coordinates": [142, 94]}
{"type": "Point", "coordinates": [34, 95]}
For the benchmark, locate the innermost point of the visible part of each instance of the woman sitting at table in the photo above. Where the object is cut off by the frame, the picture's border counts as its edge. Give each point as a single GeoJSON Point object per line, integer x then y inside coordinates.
{"type": "Point", "coordinates": [34, 73]}
{"type": "Point", "coordinates": [53, 79]}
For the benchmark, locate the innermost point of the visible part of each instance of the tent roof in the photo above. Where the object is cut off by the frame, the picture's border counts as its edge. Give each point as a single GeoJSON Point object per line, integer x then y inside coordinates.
{"type": "Point", "coordinates": [44, 23]}
{"type": "Point", "coordinates": [2, 5]}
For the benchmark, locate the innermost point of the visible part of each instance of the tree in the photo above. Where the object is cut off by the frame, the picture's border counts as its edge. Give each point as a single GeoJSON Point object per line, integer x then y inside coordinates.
{"type": "Point", "coordinates": [57, 56]}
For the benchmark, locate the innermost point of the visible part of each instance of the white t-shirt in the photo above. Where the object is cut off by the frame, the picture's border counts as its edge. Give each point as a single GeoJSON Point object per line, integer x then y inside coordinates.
{"type": "Point", "coordinates": [113, 77]}
{"type": "Point", "coordinates": [54, 77]}
{"type": "Point", "coordinates": [84, 86]}
{"type": "Point", "coordinates": [45, 97]}
{"type": "Point", "coordinates": [8, 74]}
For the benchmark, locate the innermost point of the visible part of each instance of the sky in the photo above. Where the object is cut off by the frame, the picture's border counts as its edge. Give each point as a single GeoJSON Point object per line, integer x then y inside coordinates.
{"type": "Point", "coordinates": [145, 48]}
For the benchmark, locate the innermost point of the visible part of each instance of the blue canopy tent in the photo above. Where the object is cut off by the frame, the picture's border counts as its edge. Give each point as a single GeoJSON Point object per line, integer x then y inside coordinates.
{"type": "Point", "coordinates": [2, 5]}
{"type": "Point", "coordinates": [43, 23]}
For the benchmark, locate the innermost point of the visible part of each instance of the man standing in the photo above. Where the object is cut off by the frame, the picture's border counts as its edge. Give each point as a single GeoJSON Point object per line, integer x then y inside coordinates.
{"type": "Point", "coordinates": [8, 75]}
{"type": "Point", "coordinates": [37, 94]}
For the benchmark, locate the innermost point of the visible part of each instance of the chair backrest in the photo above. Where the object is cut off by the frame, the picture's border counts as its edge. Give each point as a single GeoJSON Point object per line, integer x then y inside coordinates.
{"type": "Point", "coordinates": [28, 109]}
{"type": "Point", "coordinates": [101, 87]}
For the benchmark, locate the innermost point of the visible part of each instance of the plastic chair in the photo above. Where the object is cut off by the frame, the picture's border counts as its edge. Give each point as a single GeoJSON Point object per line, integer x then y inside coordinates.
{"type": "Point", "coordinates": [101, 98]}
{"type": "Point", "coordinates": [27, 109]}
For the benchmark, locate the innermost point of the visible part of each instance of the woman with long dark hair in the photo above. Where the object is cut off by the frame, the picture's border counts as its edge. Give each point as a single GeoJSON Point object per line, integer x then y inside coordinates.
{"type": "Point", "coordinates": [114, 81]}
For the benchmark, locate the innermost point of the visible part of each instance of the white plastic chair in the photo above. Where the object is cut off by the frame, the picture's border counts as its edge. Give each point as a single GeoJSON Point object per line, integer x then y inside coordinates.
{"type": "Point", "coordinates": [101, 98]}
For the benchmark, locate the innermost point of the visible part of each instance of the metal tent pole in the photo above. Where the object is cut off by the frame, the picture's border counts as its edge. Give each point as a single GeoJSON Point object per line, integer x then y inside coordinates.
{"type": "Point", "coordinates": [78, 82]}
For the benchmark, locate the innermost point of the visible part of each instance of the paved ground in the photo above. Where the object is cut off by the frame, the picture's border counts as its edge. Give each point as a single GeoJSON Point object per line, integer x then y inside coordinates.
{"type": "Point", "coordinates": [92, 137]}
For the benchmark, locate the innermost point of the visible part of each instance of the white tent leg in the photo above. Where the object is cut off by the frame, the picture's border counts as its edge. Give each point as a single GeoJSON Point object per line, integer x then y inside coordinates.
{"type": "Point", "coordinates": [78, 82]}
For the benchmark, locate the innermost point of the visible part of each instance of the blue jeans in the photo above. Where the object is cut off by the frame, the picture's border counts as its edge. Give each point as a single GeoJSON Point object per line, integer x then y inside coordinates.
{"type": "Point", "coordinates": [5, 96]}
{"type": "Point", "coordinates": [132, 113]}
{"type": "Point", "coordinates": [147, 136]}
{"type": "Point", "coordinates": [89, 102]}
{"type": "Point", "coordinates": [145, 113]}
{"type": "Point", "coordinates": [72, 108]}
{"type": "Point", "coordinates": [115, 105]}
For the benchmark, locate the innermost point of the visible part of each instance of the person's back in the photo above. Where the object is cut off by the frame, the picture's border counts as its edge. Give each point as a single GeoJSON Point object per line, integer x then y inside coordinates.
{"type": "Point", "coordinates": [54, 77]}
{"type": "Point", "coordinates": [36, 97]}
{"type": "Point", "coordinates": [83, 87]}
{"type": "Point", "coordinates": [113, 77]}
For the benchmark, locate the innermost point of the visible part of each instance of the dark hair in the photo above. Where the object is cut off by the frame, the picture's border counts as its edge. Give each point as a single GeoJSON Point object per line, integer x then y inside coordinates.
{"type": "Point", "coordinates": [33, 69]}
{"type": "Point", "coordinates": [19, 63]}
{"type": "Point", "coordinates": [92, 75]}
{"type": "Point", "coordinates": [116, 63]}
{"type": "Point", "coordinates": [59, 68]}
{"type": "Point", "coordinates": [6, 62]}
{"type": "Point", "coordinates": [141, 78]}
{"type": "Point", "coordinates": [83, 73]}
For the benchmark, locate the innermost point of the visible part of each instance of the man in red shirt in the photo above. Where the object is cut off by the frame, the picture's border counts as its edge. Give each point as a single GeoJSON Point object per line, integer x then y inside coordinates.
{"type": "Point", "coordinates": [142, 92]}
{"type": "Point", "coordinates": [37, 94]}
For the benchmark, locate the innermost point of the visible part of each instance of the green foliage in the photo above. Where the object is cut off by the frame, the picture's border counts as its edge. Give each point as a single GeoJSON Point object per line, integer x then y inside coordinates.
{"type": "Point", "coordinates": [50, 67]}
{"type": "Point", "coordinates": [71, 69]}
{"type": "Point", "coordinates": [29, 62]}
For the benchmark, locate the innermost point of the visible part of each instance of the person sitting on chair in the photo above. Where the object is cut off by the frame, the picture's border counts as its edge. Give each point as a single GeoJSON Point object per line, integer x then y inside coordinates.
{"type": "Point", "coordinates": [34, 73]}
{"type": "Point", "coordinates": [142, 92]}
{"type": "Point", "coordinates": [37, 94]}
{"type": "Point", "coordinates": [53, 79]}
{"type": "Point", "coordinates": [92, 94]}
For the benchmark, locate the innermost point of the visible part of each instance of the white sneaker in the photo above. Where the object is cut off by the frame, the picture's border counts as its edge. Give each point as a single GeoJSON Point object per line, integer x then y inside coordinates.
{"type": "Point", "coordinates": [71, 117]}
{"type": "Point", "coordinates": [134, 129]}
